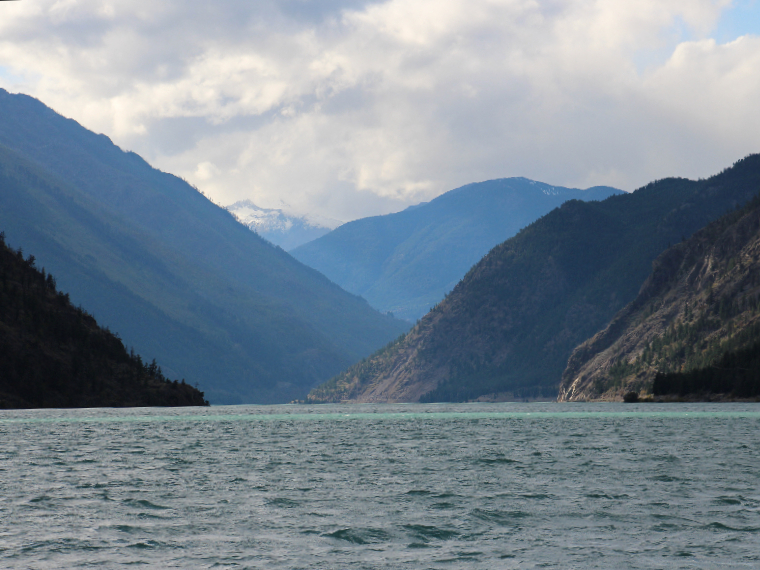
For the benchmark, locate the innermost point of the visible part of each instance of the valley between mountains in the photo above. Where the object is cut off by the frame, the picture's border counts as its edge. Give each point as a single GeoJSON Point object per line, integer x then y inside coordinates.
{"type": "Point", "coordinates": [405, 263]}
{"type": "Point", "coordinates": [507, 329]}
{"type": "Point", "coordinates": [498, 290]}
{"type": "Point", "coordinates": [176, 276]}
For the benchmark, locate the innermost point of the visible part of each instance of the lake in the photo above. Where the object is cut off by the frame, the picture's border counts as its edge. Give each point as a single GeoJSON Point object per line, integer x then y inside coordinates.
{"type": "Point", "coordinates": [507, 485]}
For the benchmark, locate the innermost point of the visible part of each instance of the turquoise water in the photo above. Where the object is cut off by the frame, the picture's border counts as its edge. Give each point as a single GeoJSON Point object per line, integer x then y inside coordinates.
{"type": "Point", "coordinates": [407, 486]}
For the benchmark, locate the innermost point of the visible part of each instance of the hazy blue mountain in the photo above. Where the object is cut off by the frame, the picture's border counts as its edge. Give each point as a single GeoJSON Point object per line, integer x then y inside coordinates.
{"type": "Point", "coordinates": [279, 227]}
{"type": "Point", "coordinates": [178, 277]}
{"type": "Point", "coordinates": [508, 328]}
{"type": "Point", "coordinates": [406, 262]}
{"type": "Point", "coordinates": [54, 355]}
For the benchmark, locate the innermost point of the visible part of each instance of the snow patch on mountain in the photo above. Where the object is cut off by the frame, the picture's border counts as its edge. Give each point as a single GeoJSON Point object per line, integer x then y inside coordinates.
{"type": "Point", "coordinates": [287, 231]}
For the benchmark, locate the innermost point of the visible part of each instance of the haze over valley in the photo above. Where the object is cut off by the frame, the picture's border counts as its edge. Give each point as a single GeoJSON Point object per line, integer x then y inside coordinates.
{"type": "Point", "coordinates": [175, 275]}
{"type": "Point", "coordinates": [405, 263]}
{"type": "Point", "coordinates": [187, 284]}
{"type": "Point", "coordinates": [499, 281]}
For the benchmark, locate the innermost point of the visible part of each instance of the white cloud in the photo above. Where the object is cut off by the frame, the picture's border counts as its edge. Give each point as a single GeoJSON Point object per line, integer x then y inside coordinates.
{"type": "Point", "coordinates": [349, 108]}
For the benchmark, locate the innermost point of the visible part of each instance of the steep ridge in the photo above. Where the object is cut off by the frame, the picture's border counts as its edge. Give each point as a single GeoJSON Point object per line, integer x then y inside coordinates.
{"type": "Point", "coordinates": [54, 355]}
{"type": "Point", "coordinates": [406, 262]}
{"type": "Point", "coordinates": [176, 275]}
{"type": "Point", "coordinates": [700, 303]}
{"type": "Point", "coordinates": [508, 328]}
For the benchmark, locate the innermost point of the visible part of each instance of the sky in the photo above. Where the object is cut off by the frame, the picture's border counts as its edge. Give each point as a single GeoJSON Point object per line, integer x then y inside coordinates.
{"type": "Point", "coordinates": [352, 108]}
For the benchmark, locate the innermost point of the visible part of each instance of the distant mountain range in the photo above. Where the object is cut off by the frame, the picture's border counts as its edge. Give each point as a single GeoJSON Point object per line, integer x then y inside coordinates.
{"type": "Point", "coordinates": [280, 228]}
{"type": "Point", "coordinates": [700, 305]}
{"type": "Point", "coordinates": [507, 329]}
{"type": "Point", "coordinates": [405, 263]}
{"type": "Point", "coordinates": [183, 281]}
{"type": "Point", "coordinates": [175, 275]}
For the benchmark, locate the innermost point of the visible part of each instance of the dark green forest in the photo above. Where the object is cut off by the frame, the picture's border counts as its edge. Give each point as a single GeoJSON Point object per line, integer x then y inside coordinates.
{"type": "Point", "coordinates": [735, 374]}
{"type": "Point", "coordinates": [54, 355]}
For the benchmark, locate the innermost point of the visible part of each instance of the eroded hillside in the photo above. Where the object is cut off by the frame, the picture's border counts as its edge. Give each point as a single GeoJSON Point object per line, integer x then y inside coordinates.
{"type": "Point", "coordinates": [508, 328]}
{"type": "Point", "coordinates": [701, 301]}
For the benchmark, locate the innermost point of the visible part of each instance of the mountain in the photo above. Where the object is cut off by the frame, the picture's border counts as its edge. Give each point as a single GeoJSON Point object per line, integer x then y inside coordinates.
{"type": "Point", "coordinates": [733, 376]}
{"type": "Point", "coordinates": [697, 312]}
{"type": "Point", "coordinates": [406, 262]}
{"type": "Point", "coordinates": [280, 228]}
{"type": "Point", "coordinates": [178, 277]}
{"type": "Point", "coordinates": [54, 355]}
{"type": "Point", "coordinates": [508, 328]}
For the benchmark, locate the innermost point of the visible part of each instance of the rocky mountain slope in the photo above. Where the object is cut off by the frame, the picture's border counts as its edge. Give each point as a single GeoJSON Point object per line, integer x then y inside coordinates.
{"type": "Point", "coordinates": [406, 262]}
{"type": "Point", "coordinates": [508, 328]}
{"type": "Point", "coordinates": [54, 355]}
{"type": "Point", "coordinates": [280, 228]}
{"type": "Point", "coordinates": [178, 277]}
{"type": "Point", "coordinates": [701, 302]}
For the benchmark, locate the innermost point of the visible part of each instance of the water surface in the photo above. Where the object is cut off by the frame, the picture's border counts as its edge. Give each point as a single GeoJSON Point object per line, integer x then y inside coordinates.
{"type": "Point", "coordinates": [380, 487]}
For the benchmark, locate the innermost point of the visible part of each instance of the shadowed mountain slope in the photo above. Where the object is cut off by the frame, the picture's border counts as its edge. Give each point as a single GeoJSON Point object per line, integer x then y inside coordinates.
{"type": "Point", "coordinates": [54, 355]}
{"type": "Point", "coordinates": [176, 275]}
{"type": "Point", "coordinates": [507, 330]}
{"type": "Point", "coordinates": [699, 306]}
{"type": "Point", "coordinates": [406, 262]}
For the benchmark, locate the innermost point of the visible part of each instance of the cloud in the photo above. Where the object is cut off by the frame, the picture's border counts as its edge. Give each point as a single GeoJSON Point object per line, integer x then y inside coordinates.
{"type": "Point", "coordinates": [350, 108]}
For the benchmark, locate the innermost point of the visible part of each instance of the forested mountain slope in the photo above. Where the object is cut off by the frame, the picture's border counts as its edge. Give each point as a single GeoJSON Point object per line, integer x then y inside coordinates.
{"type": "Point", "coordinates": [509, 327]}
{"type": "Point", "coordinates": [700, 305]}
{"type": "Point", "coordinates": [177, 276]}
{"type": "Point", "coordinates": [406, 262]}
{"type": "Point", "coordinates": [54, 355]}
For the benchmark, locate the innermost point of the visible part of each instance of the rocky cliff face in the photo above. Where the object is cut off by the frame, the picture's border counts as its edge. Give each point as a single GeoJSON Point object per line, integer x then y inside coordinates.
{"type": "Point", "coordinates": [701, 301]}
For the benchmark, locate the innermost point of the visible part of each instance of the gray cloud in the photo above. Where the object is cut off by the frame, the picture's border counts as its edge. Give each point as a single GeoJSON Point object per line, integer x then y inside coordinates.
{"type": "Point", "coordinates": [350, 108]}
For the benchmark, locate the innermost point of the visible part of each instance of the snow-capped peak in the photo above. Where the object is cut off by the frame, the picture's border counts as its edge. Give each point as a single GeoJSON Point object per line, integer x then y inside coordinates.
{"type": "Point", "coordinates": [287, 231]}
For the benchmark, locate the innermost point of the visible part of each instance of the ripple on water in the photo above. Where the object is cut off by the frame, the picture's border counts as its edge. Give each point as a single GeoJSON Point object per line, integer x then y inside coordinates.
{"type": "Point", "coordinates": [284, 503]}
{"type": "Point", "coordinates": [382, 487]}
{"type": "Point", "coordinates": [719, 526]}
{"type": "Point", "coordinates": [426, 533]}
{"type": "Point", "coordinates": [496, 461]}
{"type": "Point", "coordinates": [728, 501]}
{"type": "Point", "coordinates": [360, 535]}
{"type": "Point", "coordinates": [144, 504]}
{"type": "Point", "coordinates": [501, 518]}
